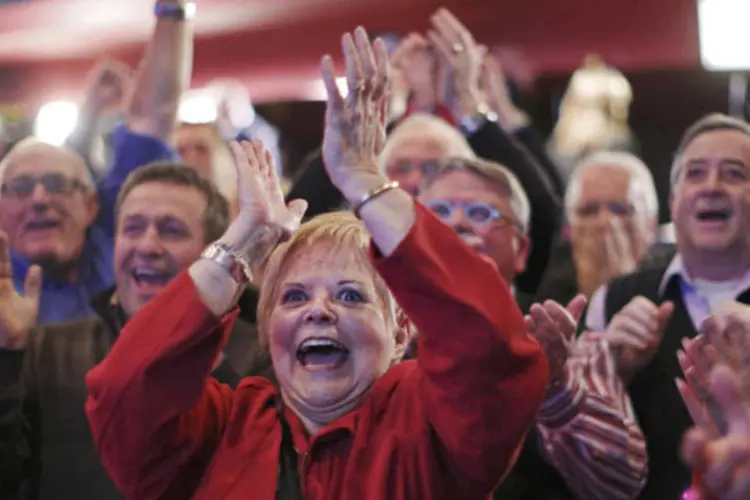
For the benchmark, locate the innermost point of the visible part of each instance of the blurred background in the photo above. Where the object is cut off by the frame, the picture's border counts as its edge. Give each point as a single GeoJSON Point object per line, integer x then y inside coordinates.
{"type": "Point", "coordinates": [663, 47]}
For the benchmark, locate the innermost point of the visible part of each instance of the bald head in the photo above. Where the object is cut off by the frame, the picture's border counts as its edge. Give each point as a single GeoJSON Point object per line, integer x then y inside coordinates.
{"type": "Point", "coordinates": [47, 202]}
{"type": "Point", "coordinates": [38, 155]}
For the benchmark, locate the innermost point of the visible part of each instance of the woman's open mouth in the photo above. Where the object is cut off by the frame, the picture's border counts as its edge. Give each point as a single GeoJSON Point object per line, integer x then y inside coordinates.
{"type": "Point", "coordinates": [321, 353]}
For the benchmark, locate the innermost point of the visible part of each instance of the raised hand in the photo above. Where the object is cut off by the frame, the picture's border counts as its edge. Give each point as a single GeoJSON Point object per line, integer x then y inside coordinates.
{"type": "Point", "coordinates": [462, 58]}
{"type": "Point", "coordinates": [494, 87]}
{"type": "Point", "coordinates": [723, 463]}
{"type": "Point", "coordinates": [355, 125]}
{"type": "Point", "coordinates": [415, 68]}
{"type": "Point", "coordinates": [554, 327]}
{"type": "Point", "coordinates": [635, 334]}
{"type": "Point", "coordinates": [18, 313]}
{"type": "Point", "coordinates": [262, 210]}
{"type": "Point", "coordinates": [108, 84]}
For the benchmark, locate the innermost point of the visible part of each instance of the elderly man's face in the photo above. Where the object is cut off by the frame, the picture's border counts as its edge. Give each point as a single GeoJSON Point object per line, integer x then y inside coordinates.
{"type": "Point", "coordinates": [46, 204]}
{"type": "Point", "coordinates": [497, 240]}
{"type": "Point", "coordinates": [413, 160]}
{"type": "Point", "coordinates": [605, 193]}
{"type": "Point", "coordinates": [160, 231]}
{"type": "Point", "coordinates": [710, 202]}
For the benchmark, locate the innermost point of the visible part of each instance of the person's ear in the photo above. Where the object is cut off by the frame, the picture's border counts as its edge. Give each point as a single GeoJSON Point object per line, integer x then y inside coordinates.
{"type": "Point", "coordinates": [403, 335]}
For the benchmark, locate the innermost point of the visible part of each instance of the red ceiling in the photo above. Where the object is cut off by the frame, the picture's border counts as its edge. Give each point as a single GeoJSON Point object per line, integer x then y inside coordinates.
{"type": "Point", "coordinates": [46, 46]}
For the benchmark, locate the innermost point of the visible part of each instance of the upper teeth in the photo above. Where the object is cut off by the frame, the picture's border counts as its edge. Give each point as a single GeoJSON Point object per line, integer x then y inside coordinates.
{"type": "Point", "coordinates": [320, 343]}
{"type": "Point", "coordinates": [146, 272]}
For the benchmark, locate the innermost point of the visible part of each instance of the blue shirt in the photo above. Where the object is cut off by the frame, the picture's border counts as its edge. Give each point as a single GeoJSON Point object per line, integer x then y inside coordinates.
{"type": "Point", "coordinates": [66, 301]}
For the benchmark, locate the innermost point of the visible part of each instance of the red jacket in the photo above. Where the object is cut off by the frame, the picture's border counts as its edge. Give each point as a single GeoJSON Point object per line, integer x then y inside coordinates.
{"type": "Point", "coordinates": [445, 426]}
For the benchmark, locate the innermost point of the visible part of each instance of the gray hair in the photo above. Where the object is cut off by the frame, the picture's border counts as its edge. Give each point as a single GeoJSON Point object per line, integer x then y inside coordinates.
{"type": "Point", "coordinates": [34, 145]}
{"type": "Point", "coordinates": [502, 179]}
{"type": "Point", "coordinates": [641, 180]}
{"type": "Point", "coordinates": [424, 126]}
{"type": "Point", "coordinates": [709, 123]}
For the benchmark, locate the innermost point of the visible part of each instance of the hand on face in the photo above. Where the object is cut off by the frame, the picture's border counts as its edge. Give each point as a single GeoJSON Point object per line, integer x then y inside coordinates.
{"type": "Point", "coordinates": [554, 327]}
{"type": "Point", "coordinates": [724, 462]}
{"type": "Point", "coordinates": [18, 313]}
{"type": "Point", "coordinates": [355, 126]}
{"type": "Point", "coordinates": [603, 252]}
{"type": "Point", "coordinates": [260, 200]}
{"type": "Point", "coordinates": [635, 334]}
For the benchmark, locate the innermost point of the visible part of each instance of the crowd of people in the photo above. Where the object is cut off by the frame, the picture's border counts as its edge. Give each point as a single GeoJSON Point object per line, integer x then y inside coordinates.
{"type": "Point", "coordinates": [431, 310]}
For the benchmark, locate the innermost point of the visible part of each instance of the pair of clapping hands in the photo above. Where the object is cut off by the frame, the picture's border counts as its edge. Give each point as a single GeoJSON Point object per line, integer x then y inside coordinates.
{"type": "Point", "coordinates": [716, 392]}
{"type": "Point", "coordinates": [448, 67]}
{"type": "Point", "coordinates": [633, 335]}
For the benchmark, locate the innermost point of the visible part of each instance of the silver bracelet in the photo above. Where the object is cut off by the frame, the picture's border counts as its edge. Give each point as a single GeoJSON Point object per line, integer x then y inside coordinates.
{"type": "Point", "coordinates": [383, 188]}
{"type": "Point", "coordinates": [228, 258]}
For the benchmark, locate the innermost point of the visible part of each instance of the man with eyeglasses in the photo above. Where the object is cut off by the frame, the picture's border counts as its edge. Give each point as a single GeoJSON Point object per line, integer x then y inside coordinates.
{"type": "Point", "coordinates": [612, 208]}
{"type": "Point", "coordinates": [648, 314]}
{"type": "Point", "coordinates": [48, 208]}
{"type": "Point", "coordinates": [54, 214]}
{"type": "Point", "coordinates": [612, 211]}
{"type": "Point", "coordinates": [586, 412]}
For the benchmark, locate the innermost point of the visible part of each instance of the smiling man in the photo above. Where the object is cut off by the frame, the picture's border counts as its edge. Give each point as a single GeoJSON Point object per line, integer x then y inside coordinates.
{"type": "Point", "coordinates": [166, 215]}
{"type": "Point", "coordinates": [51, 210]}
{"type": "Point", "coordinates": [710, 205]}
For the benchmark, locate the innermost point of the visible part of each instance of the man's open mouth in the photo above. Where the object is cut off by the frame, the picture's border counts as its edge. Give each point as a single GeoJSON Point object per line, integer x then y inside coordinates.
{"type": "Point", "coordinates": [39, 225]}
{"type": "Point", "coordinates": [144, 276]}
{"type": "Point", "coordinates": [714, 214]}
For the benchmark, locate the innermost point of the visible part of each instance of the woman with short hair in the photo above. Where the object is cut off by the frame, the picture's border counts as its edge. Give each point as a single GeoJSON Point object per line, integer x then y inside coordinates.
{"type": "Point", "coordinates": [347, 420]}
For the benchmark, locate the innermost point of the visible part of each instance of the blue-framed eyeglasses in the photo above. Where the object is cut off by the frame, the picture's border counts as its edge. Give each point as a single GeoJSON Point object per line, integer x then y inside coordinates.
{"type": "Point", "coordinates": [479, 214]}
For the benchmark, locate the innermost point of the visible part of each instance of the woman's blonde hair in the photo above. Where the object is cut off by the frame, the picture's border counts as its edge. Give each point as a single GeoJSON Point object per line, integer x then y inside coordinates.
{"type": "Point", "coordinates": [345, 233]}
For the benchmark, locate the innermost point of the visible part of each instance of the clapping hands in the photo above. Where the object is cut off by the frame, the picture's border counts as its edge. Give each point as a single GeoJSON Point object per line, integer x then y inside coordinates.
{"type": "Point", "coordinates": [554, 327]}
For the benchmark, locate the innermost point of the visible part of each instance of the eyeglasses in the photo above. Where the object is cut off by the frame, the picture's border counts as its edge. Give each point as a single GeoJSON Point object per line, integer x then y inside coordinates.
{"type": "Point", "coordinates": [56, 184]}
{"type": "Point", "coordinates": [614, 207]}
{"type": "Point", "coordinates": [478, 214]}
{"type": "Point", "coordinates": [405, 167]}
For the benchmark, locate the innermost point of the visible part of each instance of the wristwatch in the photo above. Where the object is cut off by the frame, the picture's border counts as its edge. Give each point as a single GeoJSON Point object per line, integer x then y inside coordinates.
{"type": "Point", "coordinates": [474, 122]}
{"type": "Point", "coordinates": [228, 258]}
{"type": "Point", "coordinates": [175, 10]}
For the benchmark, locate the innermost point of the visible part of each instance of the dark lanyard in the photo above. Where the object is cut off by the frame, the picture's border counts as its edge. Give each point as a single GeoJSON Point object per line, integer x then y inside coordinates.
{"type": "Point", "coordinates": [288, 486]}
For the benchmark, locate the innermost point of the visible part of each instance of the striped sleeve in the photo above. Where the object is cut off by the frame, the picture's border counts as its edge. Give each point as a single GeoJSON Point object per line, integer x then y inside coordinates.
{"type": "Point", "coordinates": [589, 431]}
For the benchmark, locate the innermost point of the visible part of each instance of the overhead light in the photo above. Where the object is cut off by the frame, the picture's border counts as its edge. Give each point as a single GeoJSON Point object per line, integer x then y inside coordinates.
{"type": "Point", "coordinates": [56, 121]}
{"type": "Point", "coordinates": [197, 107]}
{"type": "Point", "coordinates": [724, 36]}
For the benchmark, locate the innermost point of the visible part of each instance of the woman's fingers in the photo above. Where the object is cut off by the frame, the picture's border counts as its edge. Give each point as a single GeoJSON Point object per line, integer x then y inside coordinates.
{"type": "Point", "coordinates": [354, 76]}
{"type": "Point", "coordinates": [366, 59]}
